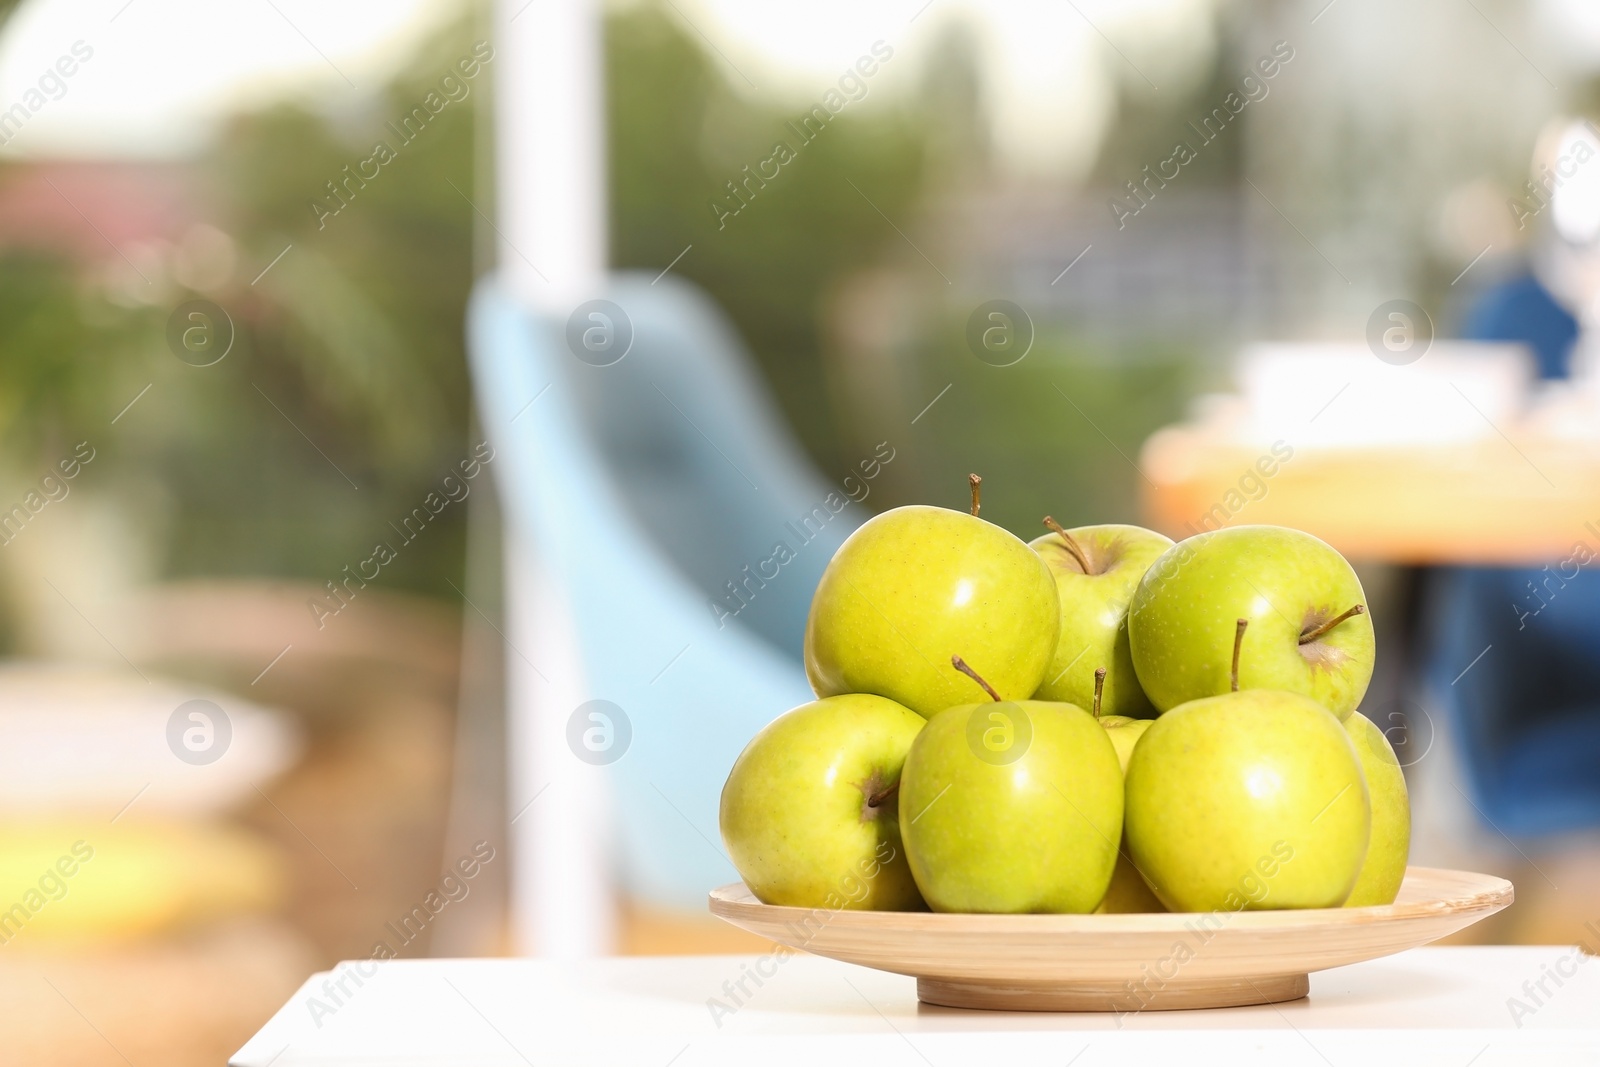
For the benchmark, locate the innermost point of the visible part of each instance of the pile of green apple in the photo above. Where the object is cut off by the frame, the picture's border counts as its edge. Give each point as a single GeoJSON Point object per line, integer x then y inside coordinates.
{"type": "Point", "coordinates": [1099, 720]}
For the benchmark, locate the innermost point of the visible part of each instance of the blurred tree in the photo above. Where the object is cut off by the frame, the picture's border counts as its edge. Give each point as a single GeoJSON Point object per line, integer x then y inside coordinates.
{"type": "Point", "coordinates": [1057, 433]}
{"type": "Point", "coordinates": [59, 357]}
{"type": "Point", "coordinates": [350, 346]}
{"type": "Point", "coordinates": [960, 147]}
{"type": "Point", "coordinates": [680, 132]}
{"type": "Point", "coordinates": [1148, 125]}
{"type": "Point", "coordinates": [344, 398]}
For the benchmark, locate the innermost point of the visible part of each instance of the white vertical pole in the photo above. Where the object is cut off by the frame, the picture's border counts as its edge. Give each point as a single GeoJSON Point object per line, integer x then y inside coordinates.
{"type": "Point", "coordinates": [551, 151]}
{"type": "Point", "coordinates": [562, 900]}
{"type": "Point", "coordinates": [551, 196]}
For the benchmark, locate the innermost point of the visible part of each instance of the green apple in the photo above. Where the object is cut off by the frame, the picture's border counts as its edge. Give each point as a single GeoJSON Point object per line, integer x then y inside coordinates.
{"type": "Point", "coordinates": [1380, 878]}
{"type": "Point", "coordinates": [913, 587]}
{"type": "Point", "coordinates": [1012, 807]}
{"type": "Point", "coordinates": [1096, 569]}
{"type": "Point", "coordinates": [1309, 632]}
{"type": "Point", "coordinates": [1124, 734]}
{"type": "Point", "coordinates": [808, 813]}
{"type": "Point", "coordinates": [1250, 800]}
{"type": "Point", "coordinates": [1128, 892]}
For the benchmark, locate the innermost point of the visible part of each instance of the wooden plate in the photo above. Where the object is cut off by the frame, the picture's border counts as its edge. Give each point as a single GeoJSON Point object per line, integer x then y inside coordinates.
{"type": "Point", "coordinates": [1123, 962]}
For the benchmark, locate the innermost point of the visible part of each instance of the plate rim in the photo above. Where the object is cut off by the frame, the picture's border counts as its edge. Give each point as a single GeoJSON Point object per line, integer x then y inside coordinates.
{"type": "Point", "coordinates": [1492, 894]}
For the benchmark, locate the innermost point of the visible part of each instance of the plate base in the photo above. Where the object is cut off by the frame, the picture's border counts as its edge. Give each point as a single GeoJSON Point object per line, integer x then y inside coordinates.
{"type": "Point", "coordinates": [1154, 995]}
{"type": "Point", "coordinates": [1123, 962]}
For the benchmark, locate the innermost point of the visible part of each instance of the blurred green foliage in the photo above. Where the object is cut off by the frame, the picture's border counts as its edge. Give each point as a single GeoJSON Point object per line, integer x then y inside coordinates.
{"type": "Point", "coordinates": [343, 400]}
{"type": "Point", "coordinates": [58, 356]}
{"type": "Point", "coordinates": [349, 366]}
{"type": "Point", "coordinates": [1058, 433]}
{"type": "Point", "coordinates": [1150, 124]}
{"type": "Point", "coordinates": [352, 346]}
{"type": "Point", "coordinates": [681, 129]}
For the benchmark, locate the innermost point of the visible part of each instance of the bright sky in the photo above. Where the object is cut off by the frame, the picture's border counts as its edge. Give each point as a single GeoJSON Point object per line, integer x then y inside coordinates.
{"type": "Point", "coordinates": [162, 71]}
{"type": "Point", "coordinates": [1050, 67]}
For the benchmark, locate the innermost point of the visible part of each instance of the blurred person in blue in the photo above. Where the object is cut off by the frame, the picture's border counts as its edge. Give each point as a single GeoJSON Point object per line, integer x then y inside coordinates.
{"type": "Point", "coordinates": [1529, 722]}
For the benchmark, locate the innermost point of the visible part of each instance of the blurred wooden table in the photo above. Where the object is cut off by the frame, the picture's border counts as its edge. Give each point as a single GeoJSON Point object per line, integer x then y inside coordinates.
{"type": "Point", "coordinates": [1490, 502]}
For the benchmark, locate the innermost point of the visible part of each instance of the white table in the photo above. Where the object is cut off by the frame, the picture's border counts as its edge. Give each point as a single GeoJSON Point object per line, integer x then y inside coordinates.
{"type": "Point", "coordinates": [1447, 1006]}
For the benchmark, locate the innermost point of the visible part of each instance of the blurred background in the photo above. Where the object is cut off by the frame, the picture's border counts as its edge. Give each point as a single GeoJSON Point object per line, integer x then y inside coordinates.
{"type": "Point", "coordinates": [234, 356]}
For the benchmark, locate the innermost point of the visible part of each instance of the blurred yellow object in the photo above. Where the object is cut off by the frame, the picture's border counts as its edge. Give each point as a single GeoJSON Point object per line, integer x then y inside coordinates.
{"type": "Point", "coordinates": [70, 882]}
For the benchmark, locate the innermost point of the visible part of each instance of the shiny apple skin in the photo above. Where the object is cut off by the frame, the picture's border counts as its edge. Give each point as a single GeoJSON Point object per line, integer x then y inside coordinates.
{"type": "Point", "coordinates": [1094, 615]}
{"type": "Point", "coordinates": [1248, 801]}
{"type": "Point", "coordinates": [1033, 833]}
{"type": "Point", "coordinates": [917, 585]}
{"type": "Point", "coordinates": [1183, 616]}
{"type": "Point", "coordinates": [1385, 868]}
{"type": "Point", "coordinates": [796, 815]}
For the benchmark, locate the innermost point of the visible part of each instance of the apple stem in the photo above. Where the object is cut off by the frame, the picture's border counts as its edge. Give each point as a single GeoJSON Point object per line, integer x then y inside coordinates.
{"type": "Point", "coordinates": [1238, 643]}
{"type": "Point", "coordinates": [877, 799]}
{"type": "Point", "coordinates": [974, 481]}
{"type": "Point", "coordinates": [1311, 635]}
{"type": "Point", "coordinates": [1099, 688]}
{"type": "Point", "coordinates": [1072, 546]}
{"type": "Point", "coordinates": [961, 665]}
